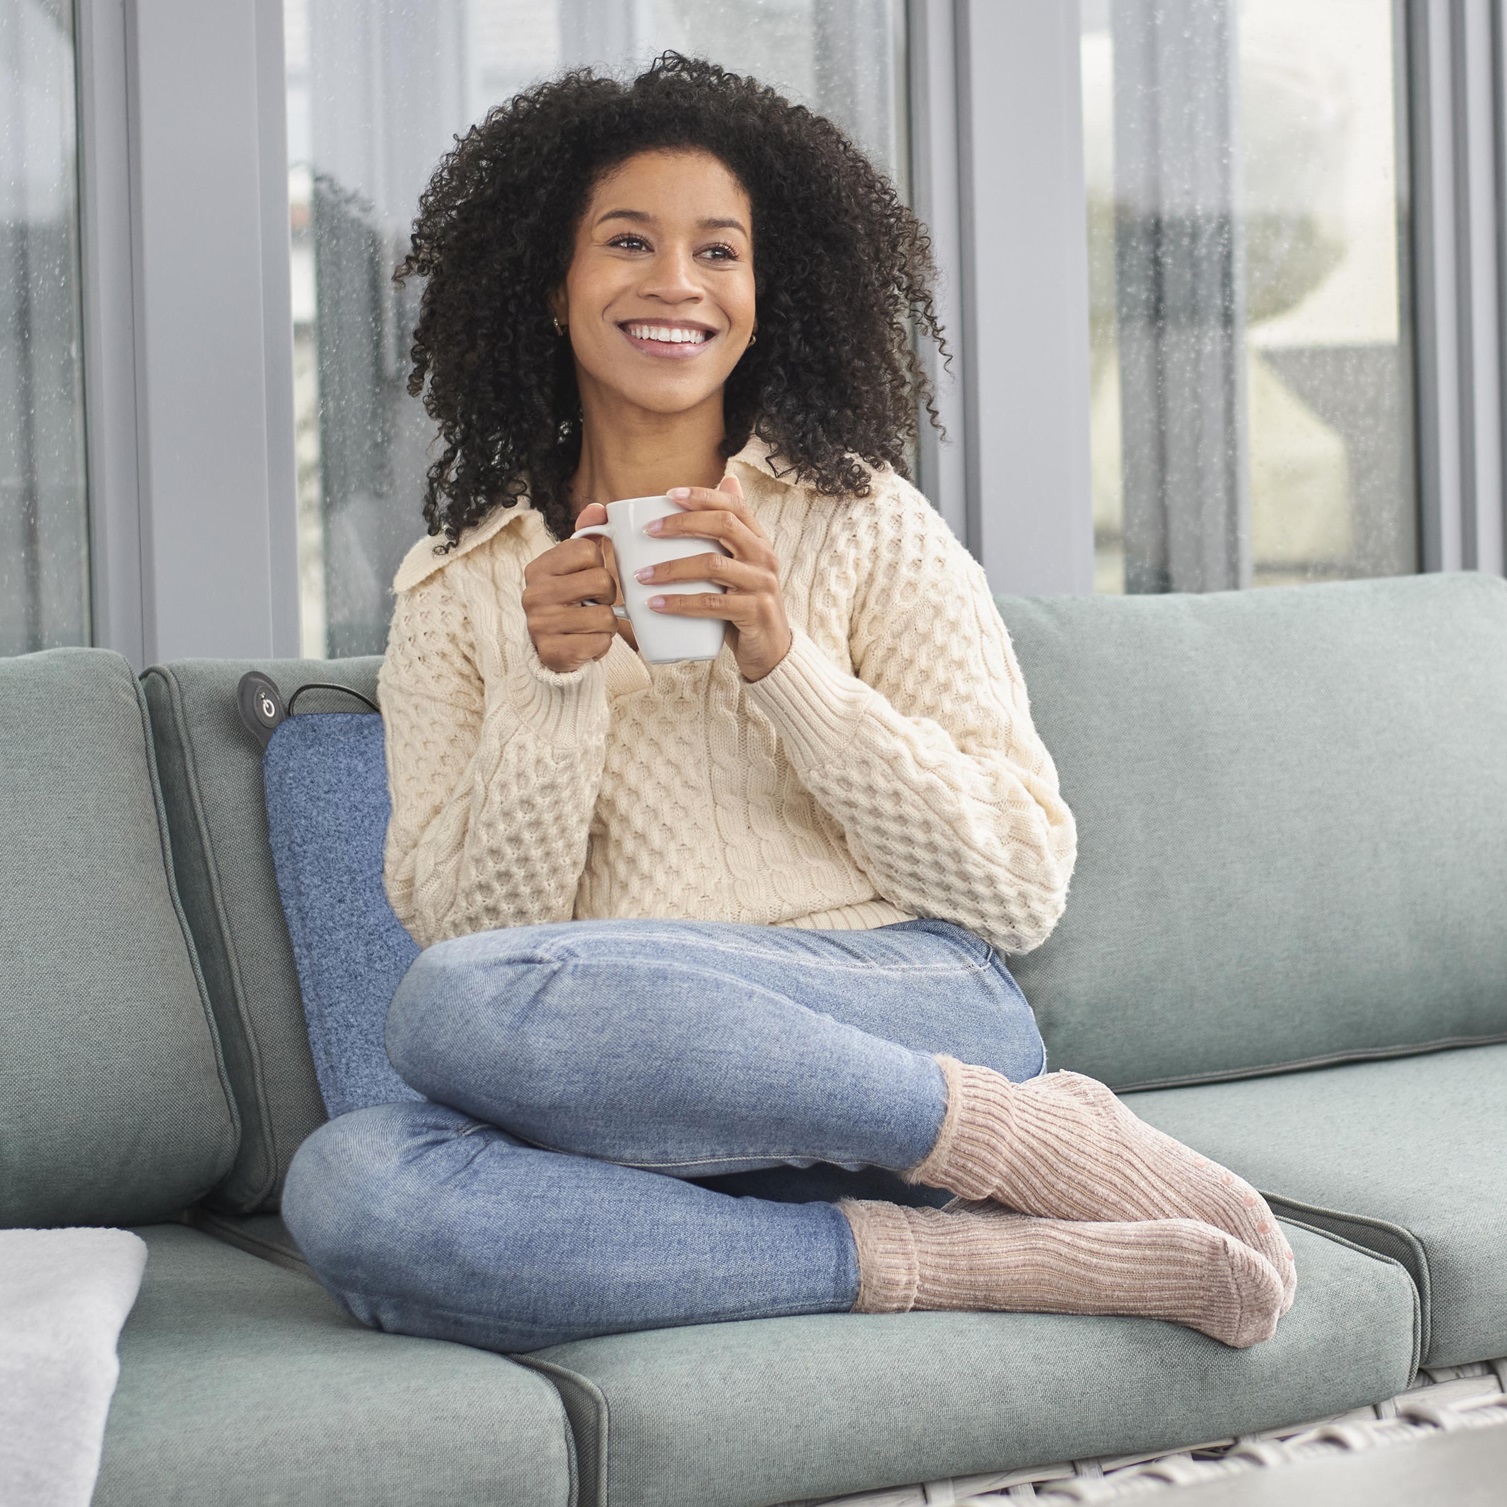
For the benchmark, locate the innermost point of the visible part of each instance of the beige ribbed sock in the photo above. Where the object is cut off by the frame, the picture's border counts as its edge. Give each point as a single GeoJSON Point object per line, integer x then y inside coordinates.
{"type": "Point", "coordinates": [1063, 1146]}
{"type": "Point", "coordinates": [984, 1257]}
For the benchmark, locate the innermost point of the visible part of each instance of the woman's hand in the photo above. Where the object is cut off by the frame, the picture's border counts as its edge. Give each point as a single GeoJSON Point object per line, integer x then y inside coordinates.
{"type": "Point", "coordinates": [757, 630]}
{"type": "Point", "coordinates": [568, 593]}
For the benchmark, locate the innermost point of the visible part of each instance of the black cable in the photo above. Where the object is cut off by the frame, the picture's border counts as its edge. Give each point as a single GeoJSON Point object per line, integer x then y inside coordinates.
{"type": "Point", "coordinates": [324, 685]}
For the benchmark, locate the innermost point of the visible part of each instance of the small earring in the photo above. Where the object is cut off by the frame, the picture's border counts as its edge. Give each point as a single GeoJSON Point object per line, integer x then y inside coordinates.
{"type": "Point", "coordinates": [754, 338]}
{"type": "Point", "coordinates": [559, 328]}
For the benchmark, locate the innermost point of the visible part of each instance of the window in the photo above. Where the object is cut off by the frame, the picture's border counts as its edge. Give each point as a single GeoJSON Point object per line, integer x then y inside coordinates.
{"type": "Point", "coordinates": [1297, 292]}
{"type": "Point", "coordinates": [1252, 363]}
{"type": "Point", "coordinates": [44, 559]}
{"type": "Point", "coordinates": [376, 91]}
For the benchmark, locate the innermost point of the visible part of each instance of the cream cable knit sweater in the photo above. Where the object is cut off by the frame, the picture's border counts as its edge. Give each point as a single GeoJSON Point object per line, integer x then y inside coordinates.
{"type": "Point", "coordinates": [885, 769]}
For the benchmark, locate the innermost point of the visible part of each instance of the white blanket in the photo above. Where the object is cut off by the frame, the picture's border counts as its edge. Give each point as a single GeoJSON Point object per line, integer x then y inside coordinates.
{"type": "Point", "coordinates": [63, 1296]}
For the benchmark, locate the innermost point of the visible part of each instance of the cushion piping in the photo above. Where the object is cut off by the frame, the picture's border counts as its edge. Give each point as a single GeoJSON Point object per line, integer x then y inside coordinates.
{"type": "Point", "coordinates": [265, 1130]}
{"type": "Point", "coordinates": [1339, 1224]}
{"type": "Point", "coordinates": [588, 1418]}
{"type": "Point", "coordinates": [1419, 1316]}
{"type": "Point", "coordinates": [1303, 1064]}
{"type": "Point", "coordinates": [229, 1231]}
{"type": "Point", "coordinates": [165, 848]}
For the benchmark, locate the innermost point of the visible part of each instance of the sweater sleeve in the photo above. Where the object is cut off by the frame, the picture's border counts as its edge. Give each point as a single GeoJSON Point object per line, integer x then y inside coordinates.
{"type": "Point", "coordinates": [927, 757]}
{"type": "Point", "coordinates": [493, 762]}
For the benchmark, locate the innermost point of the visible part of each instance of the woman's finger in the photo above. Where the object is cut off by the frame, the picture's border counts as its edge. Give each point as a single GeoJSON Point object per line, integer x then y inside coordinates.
{"type": "Point", "coordinates": [714, 497]}
{"type": "Point", "coordinates": [726, 495]}
{"type": "Point", "coordinates": [738, 607]}
{"type": "Point", "coordinates": [743, 539]}
{"type": "Point", "coordinates": [740, 575]}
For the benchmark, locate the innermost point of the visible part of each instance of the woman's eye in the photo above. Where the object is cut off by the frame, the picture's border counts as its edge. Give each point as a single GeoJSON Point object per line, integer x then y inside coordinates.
{"type": "Point", "coordinates": [628, 242]}
{"type": "Point", "coordinates": [720, 253]}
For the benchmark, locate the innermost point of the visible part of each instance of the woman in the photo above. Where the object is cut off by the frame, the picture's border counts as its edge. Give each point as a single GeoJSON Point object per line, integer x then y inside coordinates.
{"type": "Point", "coordinates": [711, 1020]}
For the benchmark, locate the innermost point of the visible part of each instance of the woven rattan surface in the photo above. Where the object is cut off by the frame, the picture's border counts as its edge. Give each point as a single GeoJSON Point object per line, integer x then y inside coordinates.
{"type": "Point", "coordinates": [1443, 1400]}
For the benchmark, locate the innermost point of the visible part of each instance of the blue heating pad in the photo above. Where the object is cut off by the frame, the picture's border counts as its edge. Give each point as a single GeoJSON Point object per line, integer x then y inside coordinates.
{"type": "Point", "coordinates": [325, 779]}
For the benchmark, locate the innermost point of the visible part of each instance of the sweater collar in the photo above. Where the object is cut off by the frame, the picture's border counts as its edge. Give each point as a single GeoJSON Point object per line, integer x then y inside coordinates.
{"type": "Point", "coordinates": [421, 561]}
{"type": "Point", "coordinates": [756, 456]}
{"type": "Point", "coordinates": [424, 559]}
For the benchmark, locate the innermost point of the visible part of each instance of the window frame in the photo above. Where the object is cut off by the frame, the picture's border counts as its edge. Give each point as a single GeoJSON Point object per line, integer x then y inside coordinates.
{"type": "Point", "coordinates": [188, 327]}
{"type": "Point", "coordinates": [1455, 126]}
{"type": "Point", "coordinates": [108, 297]}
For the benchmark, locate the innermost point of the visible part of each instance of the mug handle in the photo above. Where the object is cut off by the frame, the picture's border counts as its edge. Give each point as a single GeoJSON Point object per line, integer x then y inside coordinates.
{"type": "Point", "coordinates": [605, 529]}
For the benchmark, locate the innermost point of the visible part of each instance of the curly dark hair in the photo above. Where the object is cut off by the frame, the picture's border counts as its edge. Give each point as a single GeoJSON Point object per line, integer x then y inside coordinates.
{"type": "Point", "coordinates": [842, 273]}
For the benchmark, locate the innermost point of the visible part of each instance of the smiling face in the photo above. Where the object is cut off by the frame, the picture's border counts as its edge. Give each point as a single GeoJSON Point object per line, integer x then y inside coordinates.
{"type": "Point", "coordinates": [659, 297]}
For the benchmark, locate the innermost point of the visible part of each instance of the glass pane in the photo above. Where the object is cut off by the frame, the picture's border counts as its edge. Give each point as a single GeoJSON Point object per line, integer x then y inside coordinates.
{"type": "Point", "coordinates": [1252, 356]}
{"type": "Point", "coordinates": [377, 89]}
{"type": "Point", "coordinates": [44, 564]}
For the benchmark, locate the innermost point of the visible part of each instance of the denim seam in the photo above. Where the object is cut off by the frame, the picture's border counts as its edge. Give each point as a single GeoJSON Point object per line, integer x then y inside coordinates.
{"type": "Point", "coordinates": [546, 955]}
{"type": "Point", "coordinates": [669, 965]}
{"type": "Point", "coordinates": [746, 1311]}
{"type": "Point", "coordinates": [780, 1156]}
{"type": "Point", "coordinates": [700, 1161]}
{"type": "Point", "coordinates": [732, 1315]}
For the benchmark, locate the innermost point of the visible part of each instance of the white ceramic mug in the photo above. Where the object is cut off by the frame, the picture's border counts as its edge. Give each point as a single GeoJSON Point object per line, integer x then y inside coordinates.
{"type": "Point", "coordinates": [663, 637]}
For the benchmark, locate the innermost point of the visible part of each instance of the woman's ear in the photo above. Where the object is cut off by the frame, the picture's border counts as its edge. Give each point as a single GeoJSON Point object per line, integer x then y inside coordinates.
{"type": "Point", "coordinates": [558, 308]}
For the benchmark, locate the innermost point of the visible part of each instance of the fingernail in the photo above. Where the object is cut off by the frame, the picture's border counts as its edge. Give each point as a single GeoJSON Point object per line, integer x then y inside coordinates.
{"type": "Point", "coordinates": [656, 601]}
{"type": "Point", "coordinates": [678, 494]}
{"type": "Point", "coordinates": [644, 573]}
{"type": "Point", "coordinates": [655, 526]}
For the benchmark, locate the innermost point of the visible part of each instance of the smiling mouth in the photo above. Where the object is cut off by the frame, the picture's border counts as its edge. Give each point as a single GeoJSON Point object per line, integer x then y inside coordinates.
{"type": "Point", "coordinates": [667, 339]}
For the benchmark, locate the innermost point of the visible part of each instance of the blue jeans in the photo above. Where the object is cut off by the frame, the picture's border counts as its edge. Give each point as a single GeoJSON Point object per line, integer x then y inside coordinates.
{"type": "Point", "coordinates": [638, 1124]}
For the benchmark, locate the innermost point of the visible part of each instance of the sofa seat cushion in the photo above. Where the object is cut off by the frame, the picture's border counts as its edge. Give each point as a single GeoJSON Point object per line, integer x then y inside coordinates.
{"type": "Point", "coordinates": [1405, 1156]}
{"type": "Point", "coordinates": [242, 1383]}
{"type": "Point", "coordinates": [776, 1410]}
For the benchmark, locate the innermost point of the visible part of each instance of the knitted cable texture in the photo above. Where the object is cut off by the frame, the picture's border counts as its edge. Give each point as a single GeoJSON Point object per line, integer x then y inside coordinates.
{"type": "Point", "coordinates": [886, 768]}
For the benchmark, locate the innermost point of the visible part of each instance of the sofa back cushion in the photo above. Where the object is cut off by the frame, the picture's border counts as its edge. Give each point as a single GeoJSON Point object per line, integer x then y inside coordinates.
{"type": "Point", "coordinates": [1292, 814]}
{"type": "Point", "coordinates": [114, 1107]}
{"type": "Point", "coordinates": [211, 771]}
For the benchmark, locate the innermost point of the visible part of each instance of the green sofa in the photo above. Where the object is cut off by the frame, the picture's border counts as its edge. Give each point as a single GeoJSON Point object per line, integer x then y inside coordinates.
{"type": "Point", "coordinates": [1286, 940]}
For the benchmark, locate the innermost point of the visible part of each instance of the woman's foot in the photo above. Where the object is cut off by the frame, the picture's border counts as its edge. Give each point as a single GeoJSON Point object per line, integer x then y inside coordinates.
{"type": "Point", "coordinates": [981, 1256]}
{"type": "Point", "coordinates": [1064, 1147]}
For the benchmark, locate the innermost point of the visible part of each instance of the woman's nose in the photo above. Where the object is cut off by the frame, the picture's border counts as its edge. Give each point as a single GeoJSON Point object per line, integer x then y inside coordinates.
{"type": "Point", "coordinates": [673, 277]}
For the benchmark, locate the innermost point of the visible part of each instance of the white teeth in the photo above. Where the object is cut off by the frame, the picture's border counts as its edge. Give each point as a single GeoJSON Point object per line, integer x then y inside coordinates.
{"type": "Point", "coordinates": [668, 334]}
